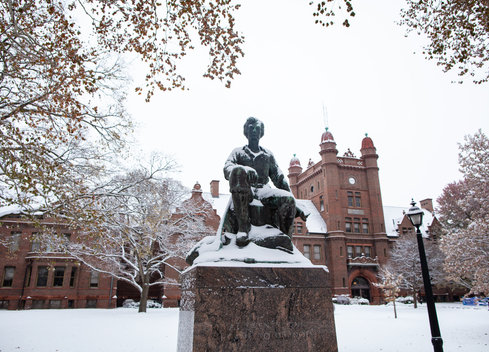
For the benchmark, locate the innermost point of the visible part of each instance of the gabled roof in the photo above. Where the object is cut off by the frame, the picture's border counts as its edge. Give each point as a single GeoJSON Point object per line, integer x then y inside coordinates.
{"type": "Point", "coordinates": [393, 217]}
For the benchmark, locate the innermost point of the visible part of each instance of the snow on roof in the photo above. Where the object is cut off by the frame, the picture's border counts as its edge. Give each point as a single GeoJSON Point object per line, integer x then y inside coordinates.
{"type": "Point", "coordinates": [315, 223]}
{"type": "Point", "coordinates": [392, 218]}
{"type": "Point", "coordinates": [17, 209]}
{"type": "Point", "coordinates": [427, 219]}
{"type": "Point", "coordinates": [219, 204]}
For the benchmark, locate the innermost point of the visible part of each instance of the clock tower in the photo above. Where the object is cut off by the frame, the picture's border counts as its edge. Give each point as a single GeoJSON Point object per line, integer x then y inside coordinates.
{"type": "Point", "coordinates": [346, 192]}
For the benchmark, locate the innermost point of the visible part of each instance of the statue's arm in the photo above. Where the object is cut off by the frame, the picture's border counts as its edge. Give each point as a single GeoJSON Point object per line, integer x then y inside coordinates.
{"type": "Point", "coordinates": [233, 161]}
{"type": "Point", "coordinates": [276, 175]}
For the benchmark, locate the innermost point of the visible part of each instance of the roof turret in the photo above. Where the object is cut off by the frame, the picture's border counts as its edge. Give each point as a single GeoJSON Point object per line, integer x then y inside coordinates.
{"type": "Point", "coordinates": [327, 136]}
{"type": "Point", "coordinates": [367, 142]}
{"type": "Point", "coordinates": [295, 162]}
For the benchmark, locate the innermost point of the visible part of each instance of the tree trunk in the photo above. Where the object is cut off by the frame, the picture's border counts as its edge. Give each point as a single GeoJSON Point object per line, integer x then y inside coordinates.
{"type": "Point", "coordinates": [144, 297]}
{"type": "Point", "coordinates": [395, 312]}
{"type": "Point", "coordinates": [415, 299]}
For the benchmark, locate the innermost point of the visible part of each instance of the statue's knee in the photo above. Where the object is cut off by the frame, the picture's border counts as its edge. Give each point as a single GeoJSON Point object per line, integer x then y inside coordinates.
{"type": "Point", "coordinates": [238, 181]}
{"type": "Point", "coordinates": [287, 202]}
{"type": "Point", "coordinates": [290, 201]}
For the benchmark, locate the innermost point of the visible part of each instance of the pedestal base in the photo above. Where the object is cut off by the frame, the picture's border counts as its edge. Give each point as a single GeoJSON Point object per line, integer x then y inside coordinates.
{"type": "Point", "coordinates": [256, 308]}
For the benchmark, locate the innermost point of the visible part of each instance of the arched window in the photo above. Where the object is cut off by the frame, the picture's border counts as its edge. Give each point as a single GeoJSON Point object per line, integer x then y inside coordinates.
{"type": "Point", "coordinates": [360, 287]}
{"type": "Point", "coordinates": [360, 281]}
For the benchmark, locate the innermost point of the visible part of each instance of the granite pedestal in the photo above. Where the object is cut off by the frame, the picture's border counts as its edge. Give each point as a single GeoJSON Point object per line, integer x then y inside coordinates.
{"type": "Point", "coordinates": [256, 308]}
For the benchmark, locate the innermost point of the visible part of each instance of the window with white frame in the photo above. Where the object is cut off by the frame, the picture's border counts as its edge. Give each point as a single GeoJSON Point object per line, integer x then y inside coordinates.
{"type": "Point", "coordinates": [317, 252]}
{"type": "Point", "coordinates": [94, 277]}
{"type": "Point", "coordinates": [15, 240]}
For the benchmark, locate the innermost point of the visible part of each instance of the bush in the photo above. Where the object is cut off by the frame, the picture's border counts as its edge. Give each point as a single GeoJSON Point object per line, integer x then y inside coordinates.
{"type": "Point", "coordinates": [405, 300]}
{"type": "Point", "coordinates": [341, 299]}
{"type": "Point", "coordinates": [360, 301]}
{"type": "Point", "coordinates": [130, 303]}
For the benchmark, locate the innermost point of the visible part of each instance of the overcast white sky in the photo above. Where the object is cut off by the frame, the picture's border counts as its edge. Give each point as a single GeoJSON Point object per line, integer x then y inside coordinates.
{"type": "Point", "coordinates": [367, 76]}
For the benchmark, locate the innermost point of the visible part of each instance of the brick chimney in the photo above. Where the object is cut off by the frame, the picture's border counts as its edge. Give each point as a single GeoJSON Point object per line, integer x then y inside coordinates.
{"type": "Point", "coordinates": [215, 188]}
{"type": "Point", "coordinates": [427, 204]}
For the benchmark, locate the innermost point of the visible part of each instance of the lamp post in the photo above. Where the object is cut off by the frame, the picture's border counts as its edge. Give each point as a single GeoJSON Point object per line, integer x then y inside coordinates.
{"type": "Point", "coordinates": [415, 215]}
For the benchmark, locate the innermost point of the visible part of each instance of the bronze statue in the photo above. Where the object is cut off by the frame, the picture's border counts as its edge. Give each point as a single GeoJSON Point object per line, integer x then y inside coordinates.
{"type": "Point", "coordinates": [256, 212]}
{"type": "Point", "coordinates": [248, 170]}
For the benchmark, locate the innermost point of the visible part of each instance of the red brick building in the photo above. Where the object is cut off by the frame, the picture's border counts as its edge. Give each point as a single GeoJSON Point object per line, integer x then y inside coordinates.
{"type": "Point", "coordinates": [345, 190]}
{"type": "Point", "coordinates": [31, 280]}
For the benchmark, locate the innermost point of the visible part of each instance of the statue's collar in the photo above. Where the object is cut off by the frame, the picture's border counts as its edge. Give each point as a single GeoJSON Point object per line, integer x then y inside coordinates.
{"type": "Point", "coordinates": [249, 151]}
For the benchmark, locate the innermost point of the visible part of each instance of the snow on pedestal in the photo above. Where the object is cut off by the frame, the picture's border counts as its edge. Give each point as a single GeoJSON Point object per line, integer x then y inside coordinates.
{"type": "Point", "coordinates": [211, 250]}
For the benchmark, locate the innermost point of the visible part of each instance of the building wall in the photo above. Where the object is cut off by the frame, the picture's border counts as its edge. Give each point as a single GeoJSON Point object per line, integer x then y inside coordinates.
{"type": "Point", "coordinates": [26, 292]}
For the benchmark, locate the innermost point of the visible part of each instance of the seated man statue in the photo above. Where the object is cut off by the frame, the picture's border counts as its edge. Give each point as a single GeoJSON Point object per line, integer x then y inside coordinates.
{"type": "Point", "coordinates": [248, 170]}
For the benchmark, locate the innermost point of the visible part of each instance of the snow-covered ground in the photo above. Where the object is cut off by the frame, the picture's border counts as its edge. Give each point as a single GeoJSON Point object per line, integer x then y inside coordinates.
{"type": "Point", "coordinates": [359, 329]}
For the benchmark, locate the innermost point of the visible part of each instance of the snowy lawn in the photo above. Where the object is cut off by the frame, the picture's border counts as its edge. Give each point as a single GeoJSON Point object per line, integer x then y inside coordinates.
{"type": "Point", "coordinates": [359, 329]}
{"type": "Point", "coordinates": [373, 328]}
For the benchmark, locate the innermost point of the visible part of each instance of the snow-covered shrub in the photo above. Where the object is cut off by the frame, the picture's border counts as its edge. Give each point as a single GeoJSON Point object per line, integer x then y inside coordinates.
{"type": "Point", "coordinates": [359, 301]}
{"type": "Point", "coordinates": [405, 300]}
{"type": "Point", "coordinates": [129, 303]}
{"type": "Point", "coordinates": [152, 304]}
{"type": "Point", "coordinates": [341, 299]}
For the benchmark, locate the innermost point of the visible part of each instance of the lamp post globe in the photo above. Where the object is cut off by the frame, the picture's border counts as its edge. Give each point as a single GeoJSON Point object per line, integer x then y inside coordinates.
{"type": "Point", "coordinates": [415, 215]}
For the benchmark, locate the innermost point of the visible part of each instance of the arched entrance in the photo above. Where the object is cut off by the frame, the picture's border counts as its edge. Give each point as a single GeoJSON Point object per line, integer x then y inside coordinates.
{"type": "Point", "coordinates": [360, 287]}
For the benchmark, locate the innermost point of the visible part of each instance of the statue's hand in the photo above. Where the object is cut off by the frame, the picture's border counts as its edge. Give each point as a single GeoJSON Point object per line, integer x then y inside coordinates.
{"type": "Point", "coordinates": [282, 184]}
{"type": "Point", "coordinates": [252, 176]}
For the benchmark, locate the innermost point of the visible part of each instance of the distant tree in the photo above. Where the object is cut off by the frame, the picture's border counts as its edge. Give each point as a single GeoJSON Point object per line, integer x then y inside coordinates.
{"type": "Point", "coordinates": [391, 285]}
{"type": "Point", "coordinates": [404, 260]}
{"type": "Point", "coordinates": [143, 227]}
{"type": "Point", "coordinates": [466, 245]}
{"type": "Point", "coordinates": [451, 214]}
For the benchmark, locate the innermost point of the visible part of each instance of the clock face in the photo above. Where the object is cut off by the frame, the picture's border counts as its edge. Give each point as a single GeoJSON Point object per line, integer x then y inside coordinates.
{"type": "Point", "coordinates": [352, 180]}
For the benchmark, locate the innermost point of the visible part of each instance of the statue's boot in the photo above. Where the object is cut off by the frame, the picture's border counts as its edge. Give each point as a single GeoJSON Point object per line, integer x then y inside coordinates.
{"type": "Point", "coordinates": [242, 237]}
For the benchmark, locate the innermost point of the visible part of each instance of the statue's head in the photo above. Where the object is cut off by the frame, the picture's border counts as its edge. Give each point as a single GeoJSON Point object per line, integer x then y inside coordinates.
{"type": "Point", "coordinates": [253, 121]}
